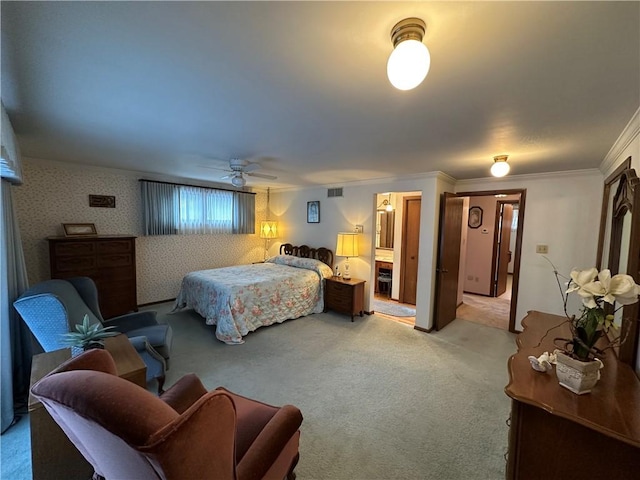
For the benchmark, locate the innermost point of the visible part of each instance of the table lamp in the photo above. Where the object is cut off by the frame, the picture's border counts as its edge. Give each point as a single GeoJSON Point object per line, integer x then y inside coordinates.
{"type": "Point", "coordinates": [347, 246]}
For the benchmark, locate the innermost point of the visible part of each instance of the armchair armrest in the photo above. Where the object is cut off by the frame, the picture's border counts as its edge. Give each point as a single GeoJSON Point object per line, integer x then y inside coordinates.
{"type": "Point", "coordinates": [200, 443]}
{"type": "Point", "coordinates": [132, 321]}
{"type": "Point", "coordinates": [184, 393]}
{"type": "Point", "coordinates": [269, 443]}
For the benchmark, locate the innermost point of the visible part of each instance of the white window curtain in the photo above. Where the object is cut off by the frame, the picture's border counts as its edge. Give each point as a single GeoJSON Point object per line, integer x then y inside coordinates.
{"type": "Point", "coordinates": [175, 209]}
{"type": "Point", "coordinates": [204, 210]}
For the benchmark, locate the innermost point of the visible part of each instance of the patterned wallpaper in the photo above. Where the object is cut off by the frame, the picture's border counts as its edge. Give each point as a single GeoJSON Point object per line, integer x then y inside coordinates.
{"type": "Point", "coordinates": [54, 193]}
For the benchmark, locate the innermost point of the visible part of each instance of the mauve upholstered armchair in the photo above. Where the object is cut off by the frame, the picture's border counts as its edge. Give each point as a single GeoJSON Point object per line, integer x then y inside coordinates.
{"type": "Point", "coordinates": [53, 307]}
{"type": "Point", "coordinates": [126, 432]}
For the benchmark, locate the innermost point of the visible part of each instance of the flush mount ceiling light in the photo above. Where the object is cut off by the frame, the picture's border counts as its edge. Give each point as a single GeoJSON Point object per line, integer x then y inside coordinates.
{"type": "Point", "coordinates": [500, 166]}
{"type": "Point", "coordinates": [409, 62]}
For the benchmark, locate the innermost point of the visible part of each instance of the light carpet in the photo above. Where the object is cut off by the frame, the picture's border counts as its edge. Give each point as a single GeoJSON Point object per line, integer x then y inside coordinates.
{"type": "Point", "coordinates": [380, 400]}
{"type": "Point", "coordinates": [490, 311]}
{"type": "Point", "coordinates": [392, 308]}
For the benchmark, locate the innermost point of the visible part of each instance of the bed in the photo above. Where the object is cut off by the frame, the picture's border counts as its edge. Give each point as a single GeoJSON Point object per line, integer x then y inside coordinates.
{"type": "Point", "coordinates": [243, 298]}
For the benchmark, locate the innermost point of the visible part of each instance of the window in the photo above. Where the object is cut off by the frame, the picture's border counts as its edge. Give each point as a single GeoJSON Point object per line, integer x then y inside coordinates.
{"type": "Point", "coordinates": [171, 209]}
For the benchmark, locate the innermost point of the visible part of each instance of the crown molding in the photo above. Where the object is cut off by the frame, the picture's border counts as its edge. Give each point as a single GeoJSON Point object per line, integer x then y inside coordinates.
{"type": "Point", "coordinates": [531, 176]}
{"type": "Point", "coordinates": [628, 135]}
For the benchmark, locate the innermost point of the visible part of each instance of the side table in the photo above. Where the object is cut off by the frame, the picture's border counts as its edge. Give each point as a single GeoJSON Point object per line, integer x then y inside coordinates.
{"type": "Point", "coordinates": [53, 456]}
{"type": "Point", "coordinates": [344, 296]}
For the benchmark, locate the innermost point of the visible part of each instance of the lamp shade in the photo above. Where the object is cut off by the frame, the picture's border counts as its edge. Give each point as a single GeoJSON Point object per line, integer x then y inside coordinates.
{"type": "Point", "coordinates": [347, 244]}
{"type": "Point", "coordinates": [268, 229]}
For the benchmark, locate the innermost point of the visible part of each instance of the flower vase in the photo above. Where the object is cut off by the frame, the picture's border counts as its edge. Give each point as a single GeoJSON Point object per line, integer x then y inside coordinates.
{"type": "Point", "coordinates": [576, 375]}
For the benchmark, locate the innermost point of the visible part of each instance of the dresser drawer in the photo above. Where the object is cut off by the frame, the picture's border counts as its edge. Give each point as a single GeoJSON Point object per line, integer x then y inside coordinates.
{"type": "Point", "coordinates": [75, 248]}
{"type": "Point", "coordinates": [339, 290]}
{"type": "Point", "coordinates": [114, 246]}
{"type": "Point", "coordinates": [115, 260]}
{"type": "Point", "coordinates": [78, 263]}
{"type": "Point", "coordinates": [339, 302]}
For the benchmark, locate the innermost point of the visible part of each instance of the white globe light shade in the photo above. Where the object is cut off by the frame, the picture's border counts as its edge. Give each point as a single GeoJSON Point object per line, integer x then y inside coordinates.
{"type": "Point", "coordinates": [238, 181]}
{"type": "Point", "coordinates": [500, 168]}
{"type": "Point", "coordinates": [408, 64]}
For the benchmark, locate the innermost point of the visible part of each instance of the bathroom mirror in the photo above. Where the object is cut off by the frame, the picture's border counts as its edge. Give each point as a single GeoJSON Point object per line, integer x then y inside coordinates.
{"type": "Point", "coordinates": [619, 247]}
{"type": "Point", "coordinates": [385, 225]}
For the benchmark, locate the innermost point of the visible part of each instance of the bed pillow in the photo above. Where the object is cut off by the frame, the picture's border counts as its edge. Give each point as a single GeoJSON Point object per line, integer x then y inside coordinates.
{"type": "Point", "coordinates": [317, 266]}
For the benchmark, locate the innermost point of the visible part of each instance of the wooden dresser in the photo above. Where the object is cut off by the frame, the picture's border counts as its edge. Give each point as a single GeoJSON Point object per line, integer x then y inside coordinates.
{"type": "Point", "coordinates": [555, 433]}
{"type": "Point", "coordinates": [345, 296]}
{"type": "Point", "coordinates": [109, 260]}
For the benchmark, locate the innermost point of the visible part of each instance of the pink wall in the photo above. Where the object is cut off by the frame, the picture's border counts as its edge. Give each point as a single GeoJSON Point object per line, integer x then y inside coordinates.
{"type": "Point", "coordinates": [477, 276]}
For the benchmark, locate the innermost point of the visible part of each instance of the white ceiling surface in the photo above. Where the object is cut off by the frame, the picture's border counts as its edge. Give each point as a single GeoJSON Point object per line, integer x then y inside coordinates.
{"type": "Point", "coordinates": [301, 87]}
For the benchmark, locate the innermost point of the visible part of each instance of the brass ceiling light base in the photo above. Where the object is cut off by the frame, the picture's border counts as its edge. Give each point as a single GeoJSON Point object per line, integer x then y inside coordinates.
{"type": "Point", "coordinates": [408, 29]}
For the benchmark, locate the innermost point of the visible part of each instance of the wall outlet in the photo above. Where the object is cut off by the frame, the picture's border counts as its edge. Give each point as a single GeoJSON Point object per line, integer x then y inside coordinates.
{"type": "Point", "coordinates": [542, 248]}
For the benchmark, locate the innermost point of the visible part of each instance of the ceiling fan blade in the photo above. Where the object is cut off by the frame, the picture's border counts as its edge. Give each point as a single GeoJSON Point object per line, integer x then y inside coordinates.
{"type": "Point", "coordinates": [250, 167]}
{"type": "Point", "coordinates": [262, 175]}
{"type": "Point", "coordinates": [231, 175]}
{"type": "Point", "coordinates": [215, 168]}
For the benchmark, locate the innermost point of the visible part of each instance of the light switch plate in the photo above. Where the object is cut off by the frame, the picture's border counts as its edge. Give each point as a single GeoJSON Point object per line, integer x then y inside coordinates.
{"type": "Point", "coordinates": [359, 229]}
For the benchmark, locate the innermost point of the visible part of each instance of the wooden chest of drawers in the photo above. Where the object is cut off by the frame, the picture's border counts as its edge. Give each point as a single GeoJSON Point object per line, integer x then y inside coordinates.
{"type": "Point", "coordinates": [344, 296]}
{"type": "Point", "coordinates": [109, 260]}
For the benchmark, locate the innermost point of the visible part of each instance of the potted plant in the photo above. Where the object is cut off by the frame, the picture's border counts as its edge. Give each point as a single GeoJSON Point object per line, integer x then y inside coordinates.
{"type": "Point", "coordinates": [577, 365]}
{"type": "Point", "coordinates": [88, 336]}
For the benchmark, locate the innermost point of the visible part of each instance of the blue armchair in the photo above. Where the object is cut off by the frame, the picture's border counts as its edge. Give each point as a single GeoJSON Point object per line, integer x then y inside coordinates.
{"type": "Point", "coordinates": [54, 307]}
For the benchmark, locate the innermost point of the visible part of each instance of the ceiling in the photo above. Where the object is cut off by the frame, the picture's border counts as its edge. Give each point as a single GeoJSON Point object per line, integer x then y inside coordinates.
{"type": "Point", "coordinates": [301, 87]}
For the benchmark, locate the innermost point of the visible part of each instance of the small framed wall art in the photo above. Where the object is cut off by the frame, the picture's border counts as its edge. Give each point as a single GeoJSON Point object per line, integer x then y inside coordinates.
{"type": "Point", "coordinates": [313, 212]}
{"type": "Point", "coordinates": [475, 217]}
{"type": "Point", "coordinates": [79, 229]}
{"type": "Point", "coordinates": [104, 201]}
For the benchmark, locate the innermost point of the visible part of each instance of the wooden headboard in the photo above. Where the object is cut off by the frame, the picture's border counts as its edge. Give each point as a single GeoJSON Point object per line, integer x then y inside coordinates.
{"type": "Point", "coordinates": [323, 254]}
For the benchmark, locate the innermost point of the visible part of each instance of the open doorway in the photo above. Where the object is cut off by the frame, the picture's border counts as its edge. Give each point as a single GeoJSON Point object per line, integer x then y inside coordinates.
{"type": "Point", "coordinates": [479, 258]}
{"type": "Point", "coordinates": [397, 237]}
{"type": "Point", "coordinates": [486, 266]}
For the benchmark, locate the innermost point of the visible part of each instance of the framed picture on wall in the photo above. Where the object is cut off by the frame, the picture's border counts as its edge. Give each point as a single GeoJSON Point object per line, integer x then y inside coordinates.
{"type": "Point", "coordinates": [79, 229]}
{"type": "Point", "coordinates": [313, 212]}
{"type": "Point", "coordinates": [475, 217]}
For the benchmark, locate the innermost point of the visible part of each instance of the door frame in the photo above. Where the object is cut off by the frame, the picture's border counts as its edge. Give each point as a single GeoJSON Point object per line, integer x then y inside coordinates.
{"type": "Point", "coordinates": [519, 236]}
{"type": "Point", "coordinates": [496, 235]}
{"type": "Point", "coordinates": [403, 246]}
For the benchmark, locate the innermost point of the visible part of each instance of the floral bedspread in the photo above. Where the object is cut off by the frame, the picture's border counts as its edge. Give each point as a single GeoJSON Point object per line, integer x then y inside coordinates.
{"type": "Point", "coordinates": [240, 299]}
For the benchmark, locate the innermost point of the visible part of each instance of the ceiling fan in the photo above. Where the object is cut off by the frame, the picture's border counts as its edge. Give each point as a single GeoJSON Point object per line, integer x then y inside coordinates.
{"type": "Point", "coordinates": [238, 168]}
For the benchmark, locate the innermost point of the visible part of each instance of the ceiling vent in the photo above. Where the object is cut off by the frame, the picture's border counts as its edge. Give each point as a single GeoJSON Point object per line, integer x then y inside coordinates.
{"type": "Point", "coordinates": [334, 192]}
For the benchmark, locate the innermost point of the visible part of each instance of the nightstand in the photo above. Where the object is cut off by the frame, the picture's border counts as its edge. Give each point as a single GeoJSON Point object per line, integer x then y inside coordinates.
{"type": "Point", "coordinates": [344, 296]}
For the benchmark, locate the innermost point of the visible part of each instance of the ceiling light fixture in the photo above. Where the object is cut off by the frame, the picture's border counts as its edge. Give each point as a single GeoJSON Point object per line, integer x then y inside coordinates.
{"type": "Point", "coordinates": [410, 60]}
{"type": "Point", "coordinates": [500, 166]}
{"type": "Point", "coordinates": [238, 181]}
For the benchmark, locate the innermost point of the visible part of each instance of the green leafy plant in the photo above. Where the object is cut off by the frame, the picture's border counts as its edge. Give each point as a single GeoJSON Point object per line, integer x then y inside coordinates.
{"type": "Point", "coordinates": [88, 336]}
